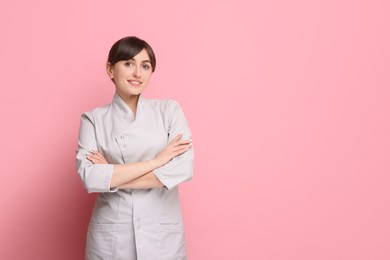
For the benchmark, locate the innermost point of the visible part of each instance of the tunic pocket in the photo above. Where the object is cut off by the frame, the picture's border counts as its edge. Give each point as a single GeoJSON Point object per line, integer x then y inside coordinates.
{"type": "Point", "coordinates": [100, 242]}
{"type": "Point", "coordinates": [172, 240]}
{"type": "Point", "coordinates": [110, 242]}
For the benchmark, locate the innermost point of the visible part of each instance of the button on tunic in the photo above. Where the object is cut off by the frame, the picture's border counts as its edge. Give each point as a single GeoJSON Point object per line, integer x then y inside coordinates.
{"type": "Point", "coordinates": [134, 223]}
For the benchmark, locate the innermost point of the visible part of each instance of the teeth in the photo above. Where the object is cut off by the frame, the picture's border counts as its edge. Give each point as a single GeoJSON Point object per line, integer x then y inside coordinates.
{"type": "Point", "coordinates": [135, 82]}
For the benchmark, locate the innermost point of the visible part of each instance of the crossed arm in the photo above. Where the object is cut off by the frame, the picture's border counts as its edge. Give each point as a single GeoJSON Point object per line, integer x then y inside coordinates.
{"type": "Point", "coordinates": [140, 175]}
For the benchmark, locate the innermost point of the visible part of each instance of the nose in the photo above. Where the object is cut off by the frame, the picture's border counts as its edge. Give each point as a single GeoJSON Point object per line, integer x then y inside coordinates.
{"type": "Point", "coordinates": [137, 72]}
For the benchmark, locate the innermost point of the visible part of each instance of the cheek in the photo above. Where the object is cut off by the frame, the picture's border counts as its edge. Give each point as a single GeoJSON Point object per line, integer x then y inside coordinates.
{"type": "Point", "coordinates": [148, 75]}
{"type": "Point", "coordinates": [116, 74]}
{"type": "Point", "coordinates": [122, 72]}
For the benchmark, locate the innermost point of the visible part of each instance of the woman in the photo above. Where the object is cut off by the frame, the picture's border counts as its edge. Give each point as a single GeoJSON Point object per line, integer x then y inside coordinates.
{"type": "Point", "coordinates": [135, 152]}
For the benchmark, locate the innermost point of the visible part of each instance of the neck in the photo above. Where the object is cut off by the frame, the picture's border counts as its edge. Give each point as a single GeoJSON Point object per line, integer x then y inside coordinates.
{"type": "Point", "coordinates": [131, 102]}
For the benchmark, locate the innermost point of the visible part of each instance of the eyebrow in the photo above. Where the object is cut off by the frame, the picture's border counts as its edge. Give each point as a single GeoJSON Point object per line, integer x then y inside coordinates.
{"type": "Point", "coordinates": [143, 60]}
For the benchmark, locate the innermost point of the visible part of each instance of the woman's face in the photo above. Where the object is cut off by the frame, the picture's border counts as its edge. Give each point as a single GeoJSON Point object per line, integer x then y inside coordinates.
{"type": "Point", "coordinates": [131, 77]}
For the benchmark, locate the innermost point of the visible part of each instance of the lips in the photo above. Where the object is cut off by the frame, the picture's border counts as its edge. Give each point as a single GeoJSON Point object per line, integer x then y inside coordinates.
{"type": "Point", "coordinates": [135, 83]}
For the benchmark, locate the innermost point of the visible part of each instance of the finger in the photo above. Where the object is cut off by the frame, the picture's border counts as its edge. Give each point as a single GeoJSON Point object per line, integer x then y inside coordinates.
{"type": "Point", "coordinates": [183, 146]}
{"type": "Point", "coordinates": [184, 142]}
{"type": "Point", "coordinates": [100, 158]}
{"type": "Point", "coordinates": [97, 161]}
{"type": "Point", "coordinates": [179, 143]}
{"type": "Point", "coordinates": [177, 138]}
{"type": "Point", "coordinates": [99, 155]}
{"type": "Point", "coordinates": [174, 141]}
{"type": "Point", "coordinates": [93, 158]}
{"type": "Point", "coordinates": [96, 154]}
{"type": "Point", "coordinates": [180, 148]}
{"type": "Point", "coordinates": [179, 152]}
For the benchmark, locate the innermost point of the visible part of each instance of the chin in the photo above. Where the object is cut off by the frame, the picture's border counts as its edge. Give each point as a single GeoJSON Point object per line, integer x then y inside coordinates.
{"type": "Point", "coordinates": [134, 93]}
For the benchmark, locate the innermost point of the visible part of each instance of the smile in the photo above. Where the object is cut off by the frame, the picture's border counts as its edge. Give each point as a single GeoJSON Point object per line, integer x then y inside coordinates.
{"type": "Point", "coordinates": [135, 83]}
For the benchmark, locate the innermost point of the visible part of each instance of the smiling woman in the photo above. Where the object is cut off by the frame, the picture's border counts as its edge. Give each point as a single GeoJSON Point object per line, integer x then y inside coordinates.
{"type": "Point", "coordinates": [135, 152]}
{"type": "Point", "coordinates": [131, 62]}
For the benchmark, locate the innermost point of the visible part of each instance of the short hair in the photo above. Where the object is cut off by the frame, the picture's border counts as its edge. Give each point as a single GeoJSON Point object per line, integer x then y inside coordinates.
{"type": "Point", "coordinates": [128, 47]}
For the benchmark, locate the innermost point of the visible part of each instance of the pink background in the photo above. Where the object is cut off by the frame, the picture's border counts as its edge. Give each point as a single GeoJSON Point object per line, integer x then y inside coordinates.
{"type": "Point", "coordinates": [288, 102]}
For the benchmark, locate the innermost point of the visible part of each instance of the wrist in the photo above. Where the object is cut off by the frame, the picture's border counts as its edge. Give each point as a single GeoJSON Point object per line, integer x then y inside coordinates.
{"type": "Point", "coordinates": [154, 163]}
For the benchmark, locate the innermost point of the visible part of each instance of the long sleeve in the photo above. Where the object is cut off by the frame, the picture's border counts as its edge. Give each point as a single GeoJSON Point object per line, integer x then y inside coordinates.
{"type": "Point", "coordinates": [180, 168]}
{"type": "Point", "coordinates": [95, 177]}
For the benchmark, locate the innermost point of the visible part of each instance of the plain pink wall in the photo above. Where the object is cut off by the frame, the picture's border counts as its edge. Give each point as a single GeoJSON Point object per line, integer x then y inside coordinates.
{"type": "Point", "coordinates": [288, 102]}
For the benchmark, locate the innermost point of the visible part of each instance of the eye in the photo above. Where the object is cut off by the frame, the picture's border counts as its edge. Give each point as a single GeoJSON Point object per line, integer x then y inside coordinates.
{"type": "Point", "coordinates": [146, 66]}
{"type": "Point", "coordinates": [128, 64]}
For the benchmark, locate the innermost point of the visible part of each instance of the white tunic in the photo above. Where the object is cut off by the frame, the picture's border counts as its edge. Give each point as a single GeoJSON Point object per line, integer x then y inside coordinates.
{"type": "Point", "coordinates": [132, 224]}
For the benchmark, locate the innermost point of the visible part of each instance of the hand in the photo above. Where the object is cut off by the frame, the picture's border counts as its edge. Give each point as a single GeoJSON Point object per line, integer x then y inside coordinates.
{"type": "Point", "coordinates": [173, 149]}
{"type": "Point", "coordinates": [96, 157]}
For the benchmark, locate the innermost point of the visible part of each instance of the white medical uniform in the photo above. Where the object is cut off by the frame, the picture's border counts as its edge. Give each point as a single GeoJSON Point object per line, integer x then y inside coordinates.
{"type": "Point", "coordinates": [132, 224]}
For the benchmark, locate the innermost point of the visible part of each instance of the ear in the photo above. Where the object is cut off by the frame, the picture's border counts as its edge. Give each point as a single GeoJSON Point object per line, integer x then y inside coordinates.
{"type": "Point", "coordinates": [110, 70]}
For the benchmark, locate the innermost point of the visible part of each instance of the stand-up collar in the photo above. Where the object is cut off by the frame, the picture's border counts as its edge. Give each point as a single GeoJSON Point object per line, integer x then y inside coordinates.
{"type": "Point", "coordinates": [124, 109]}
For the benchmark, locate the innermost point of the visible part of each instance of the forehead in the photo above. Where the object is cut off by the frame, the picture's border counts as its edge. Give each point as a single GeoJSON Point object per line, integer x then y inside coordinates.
{"type": "Point", "coordinates": [142, 56]}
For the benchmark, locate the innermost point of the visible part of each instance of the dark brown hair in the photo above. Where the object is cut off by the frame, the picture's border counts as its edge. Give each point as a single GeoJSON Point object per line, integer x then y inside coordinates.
{"type": "Point", "coordinates": [128, 47]}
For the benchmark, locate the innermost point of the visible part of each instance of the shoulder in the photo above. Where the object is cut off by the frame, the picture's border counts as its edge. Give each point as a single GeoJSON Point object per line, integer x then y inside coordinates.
{"type": "Point", "coordinates": [169, 109]}
{"type": "Point", "coordinates": [96, 112]}
{"type": "Point", "coordinates": [164, 105]}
